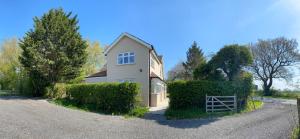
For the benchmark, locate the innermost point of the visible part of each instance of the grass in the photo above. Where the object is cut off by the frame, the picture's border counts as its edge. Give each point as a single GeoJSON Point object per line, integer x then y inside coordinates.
{"type": "Point", "coordinates": [192, 113]}
{"type": "Point", "coordinates": [252, 105]}
{"type": "Point", "coordinates": [136, 112]}
{"type": "Point", "coordinates": [196, 113]}
{"type": "Point", "coordinates": [295, 133]}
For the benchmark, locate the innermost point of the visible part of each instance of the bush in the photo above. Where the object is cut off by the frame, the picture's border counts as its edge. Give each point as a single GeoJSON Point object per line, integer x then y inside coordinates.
{"type": "Point", "coordinates": [57, 91]}
{"type": "Point", "coordinates": [188, 94]}
{"type": "Point", "coordinates": [107, 97]}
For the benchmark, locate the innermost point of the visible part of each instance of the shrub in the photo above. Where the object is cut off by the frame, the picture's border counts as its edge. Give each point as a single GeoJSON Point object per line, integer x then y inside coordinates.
{"type": "Point", "coordinates": [108, 97]}
{"type": "Point", "coordinates": [57, 91]}
{"type": "Point", "coordinates": [188, 94]}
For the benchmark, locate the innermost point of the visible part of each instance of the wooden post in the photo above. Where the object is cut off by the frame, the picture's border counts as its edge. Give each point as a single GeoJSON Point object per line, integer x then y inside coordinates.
{"type": "Point", "coordinates": [212, 104]}
{"type": "Point", "coordinates": [206, 102]}
{"type": "Point", "coordinates": [235, 104]}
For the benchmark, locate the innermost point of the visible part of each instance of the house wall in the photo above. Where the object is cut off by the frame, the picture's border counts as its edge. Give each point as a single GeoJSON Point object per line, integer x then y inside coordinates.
{"type": "Point", "coordinates": [158, 92]}
{"type": "Point", "coordinates": [158, 67]}
{"type": "Point", "coordinates": [95, 79]}
{"type": "Point", "coordinates": [138, 72]}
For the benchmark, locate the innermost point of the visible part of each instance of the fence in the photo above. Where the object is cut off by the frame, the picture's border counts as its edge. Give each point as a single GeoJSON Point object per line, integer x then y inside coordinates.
{"type": "Point", "coordinates": [221, 103]}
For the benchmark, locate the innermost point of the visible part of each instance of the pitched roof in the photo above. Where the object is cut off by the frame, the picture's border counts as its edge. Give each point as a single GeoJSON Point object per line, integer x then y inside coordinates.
{"type": "Point", "coordinates": [101, 73]}
{"type": "Point", "coordinates": [148, 45]}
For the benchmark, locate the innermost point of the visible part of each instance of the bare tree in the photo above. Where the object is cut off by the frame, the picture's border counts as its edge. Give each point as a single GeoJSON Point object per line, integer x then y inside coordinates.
{"type": "Point", "coordinates": [271, 59]}
{"type": "Point", "coordinates": [177, 72]}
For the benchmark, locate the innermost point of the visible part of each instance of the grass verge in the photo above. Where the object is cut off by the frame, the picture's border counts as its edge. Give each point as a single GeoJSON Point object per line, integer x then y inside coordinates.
{"type": "Point", "coordinates": [252, 105]}
{"type": "Point", "coordinates": [195, 113]}
{"type": "Point", "coordinates": [136, 112]}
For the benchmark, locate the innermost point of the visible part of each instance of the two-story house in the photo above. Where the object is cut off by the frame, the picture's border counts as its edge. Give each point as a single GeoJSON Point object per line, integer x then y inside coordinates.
{"type": "Point", "coordinates": [134, 60]}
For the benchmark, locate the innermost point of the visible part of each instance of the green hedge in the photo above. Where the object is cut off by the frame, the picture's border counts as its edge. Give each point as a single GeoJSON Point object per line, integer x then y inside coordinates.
{"type": "Point", "coordinates": [189, 94]}
{"type": "Point", "coordinates": [107, 97]}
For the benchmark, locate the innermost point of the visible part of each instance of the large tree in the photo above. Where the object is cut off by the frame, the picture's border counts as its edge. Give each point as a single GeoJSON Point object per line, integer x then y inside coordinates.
{"type": "Point", "coordinates": [272, 59]}
{"type": "Point", "coordinates": [231, 59]}
{"type": "Point", "coordinates": [194, 58]}
{"type": "Point", "coordinates": [54, 50]}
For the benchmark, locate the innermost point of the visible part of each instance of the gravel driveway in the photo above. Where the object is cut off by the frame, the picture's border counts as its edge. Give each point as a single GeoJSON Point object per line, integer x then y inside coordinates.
{"type": "Point", "coordinates": [33, 118]}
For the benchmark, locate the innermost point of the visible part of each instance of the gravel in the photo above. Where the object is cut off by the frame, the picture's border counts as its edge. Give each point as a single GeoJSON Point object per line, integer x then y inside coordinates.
{"type": "Point", "coordinates": [38, 119]}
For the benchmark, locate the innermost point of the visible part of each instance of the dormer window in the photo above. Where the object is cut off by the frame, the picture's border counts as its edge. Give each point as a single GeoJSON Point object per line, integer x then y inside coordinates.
{"type": "Point", "coordinates": [126, 58]}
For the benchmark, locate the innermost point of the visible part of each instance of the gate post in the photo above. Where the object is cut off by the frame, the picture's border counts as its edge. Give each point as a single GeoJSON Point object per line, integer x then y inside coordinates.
{"type": "Point", "coordinates": [298, 108]}
{"type": "Point", "coordinates": [235, 103]}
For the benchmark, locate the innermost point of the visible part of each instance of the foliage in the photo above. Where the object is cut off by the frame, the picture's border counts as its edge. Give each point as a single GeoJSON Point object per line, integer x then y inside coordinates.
{"type": "Point", "coordinates": [57, 91]}
{"type": "Point", "coordinates": [107, 97]}
{"type": "Point", "coordinates": [285, 94]}
{"type": "Point", "coordinates": [195, 58]}
{"type": "Point", "coordinates": [187, 94]}
{"type": "Point", "coordinates": [271, 59]}
{"type": "Point", "coordinates": [176, 73]}
{"type": "Point", "coordinates": [138, 111]}
{"type": "Point", "coordinates": [231, 59]}
{"type": "Point", "coordinates": [95, 58]}
{"type": "Point", "coordinates": [253, 105]}
{"type": "Point", "coordinates": [10, 67]}
{"type": "Point", "coordinates": [296, 133]}
{"type": "Point", "coordinates": [207, 72]}
{"type": "Point", "coordinates": [54, 50]}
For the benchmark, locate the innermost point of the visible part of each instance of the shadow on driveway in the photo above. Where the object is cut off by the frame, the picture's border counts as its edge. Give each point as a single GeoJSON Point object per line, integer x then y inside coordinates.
{"type": "Point", "coordinates": [159, 118]}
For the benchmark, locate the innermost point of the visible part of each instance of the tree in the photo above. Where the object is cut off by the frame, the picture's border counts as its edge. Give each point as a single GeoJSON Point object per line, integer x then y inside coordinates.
{"type": "Point", "coordinates": [231, 59]}
{"type": "Point", "coordinates": [176, 73]}
{"type": "Point", "coordinates": [95, 58]}
{"type": "Point", "coordinates": [54, 50]}
{"type": "Point", "coordinates": [272, 59]}
{"type": "Point", "coordinates": [194, 58]}
{"type": "Point", "coordinates": [9, 64]}
{"type": "Point", "coordinates": [208, 72]}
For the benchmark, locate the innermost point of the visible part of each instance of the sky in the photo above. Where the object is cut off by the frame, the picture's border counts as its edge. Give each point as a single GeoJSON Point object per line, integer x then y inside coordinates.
{"type": "Point", "coordinates": [170, 25]}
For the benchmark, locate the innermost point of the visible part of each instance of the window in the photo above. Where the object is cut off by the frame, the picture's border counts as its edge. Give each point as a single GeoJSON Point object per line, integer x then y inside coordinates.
{"type": "Point", "coordinates": [126, 80]}
{"type": "Point", "coordinates": [126, 58]}
{"type": "Point", "coordinates": [152, 63]}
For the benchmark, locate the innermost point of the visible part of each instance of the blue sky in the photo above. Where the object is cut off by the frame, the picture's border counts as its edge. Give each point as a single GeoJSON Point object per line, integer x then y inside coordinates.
{"type": "Point", "coordinates": [170, 25]}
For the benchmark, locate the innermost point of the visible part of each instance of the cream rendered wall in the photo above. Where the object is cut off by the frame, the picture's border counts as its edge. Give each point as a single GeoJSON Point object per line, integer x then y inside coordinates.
{"type": "Point", "coordinates": [157, 67]}
{"type": "Point", "coordinates": [139, 71]}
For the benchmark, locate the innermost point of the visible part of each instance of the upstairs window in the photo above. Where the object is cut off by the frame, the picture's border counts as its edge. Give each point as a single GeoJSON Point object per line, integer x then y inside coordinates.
{"type": "Point", "coordinates": [126, 58]}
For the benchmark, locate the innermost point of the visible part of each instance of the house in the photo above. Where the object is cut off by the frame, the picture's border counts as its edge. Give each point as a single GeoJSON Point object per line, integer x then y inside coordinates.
{"type": "Point", "coordinates": [134, 60]}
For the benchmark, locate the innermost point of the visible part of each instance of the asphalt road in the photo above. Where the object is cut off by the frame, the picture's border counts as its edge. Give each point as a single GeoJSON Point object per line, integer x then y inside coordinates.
{"type": "Point", "coordinates": [38, 119]}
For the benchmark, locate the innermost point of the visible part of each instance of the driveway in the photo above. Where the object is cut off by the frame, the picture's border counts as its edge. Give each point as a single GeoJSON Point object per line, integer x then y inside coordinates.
{"type": "Point", "coordinates": [38, 119]}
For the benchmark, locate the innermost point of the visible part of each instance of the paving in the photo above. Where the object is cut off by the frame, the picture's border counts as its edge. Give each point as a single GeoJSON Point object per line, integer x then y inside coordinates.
{"type": "Point", "coordinates": [26, 118]}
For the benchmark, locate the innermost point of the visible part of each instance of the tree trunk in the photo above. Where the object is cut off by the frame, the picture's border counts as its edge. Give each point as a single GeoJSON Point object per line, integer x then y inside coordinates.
{"type": "Point", "coordinates": [266, 88]}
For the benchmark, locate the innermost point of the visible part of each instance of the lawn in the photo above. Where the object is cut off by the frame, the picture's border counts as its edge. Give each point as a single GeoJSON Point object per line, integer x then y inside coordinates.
{"type": "Point", "coordinates": [195, 113]}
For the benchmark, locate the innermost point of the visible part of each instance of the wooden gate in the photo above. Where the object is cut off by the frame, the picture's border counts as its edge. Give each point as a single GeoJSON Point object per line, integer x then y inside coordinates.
{"type": "Point", "coordinates": [221, 103]}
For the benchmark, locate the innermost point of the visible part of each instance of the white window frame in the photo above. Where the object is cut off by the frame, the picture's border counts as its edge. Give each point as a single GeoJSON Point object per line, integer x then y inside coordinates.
{"type": "Point", "coordinates": [128, 56]}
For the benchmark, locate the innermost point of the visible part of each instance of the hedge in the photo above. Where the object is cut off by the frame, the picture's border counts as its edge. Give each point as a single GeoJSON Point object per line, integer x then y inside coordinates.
{"type": "Point", "coordinates": [106, 97]}
{"type": "Point", "coordinates": [189, 94]}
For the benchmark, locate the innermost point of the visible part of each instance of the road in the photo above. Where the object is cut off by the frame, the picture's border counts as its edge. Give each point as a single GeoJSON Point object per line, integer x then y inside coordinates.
{"type": "Point", "coordinates": [33, 118]}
